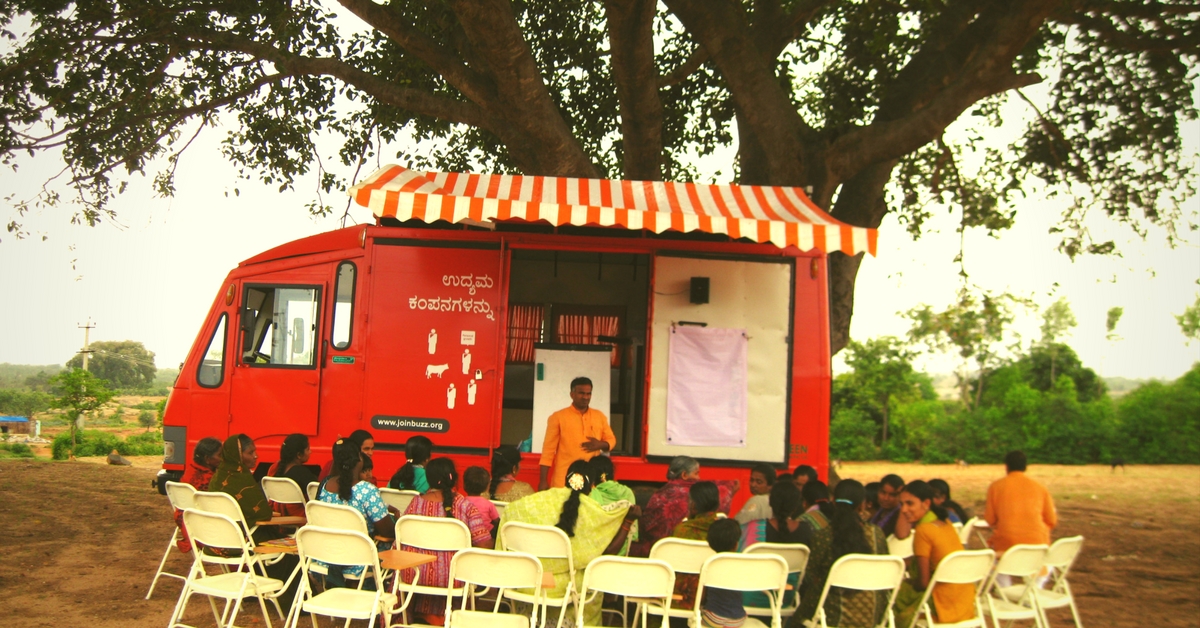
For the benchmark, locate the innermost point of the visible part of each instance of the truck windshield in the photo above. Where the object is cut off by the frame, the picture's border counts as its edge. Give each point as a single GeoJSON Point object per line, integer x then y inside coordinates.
{"type": "Point", "coordinates": [279, 325]}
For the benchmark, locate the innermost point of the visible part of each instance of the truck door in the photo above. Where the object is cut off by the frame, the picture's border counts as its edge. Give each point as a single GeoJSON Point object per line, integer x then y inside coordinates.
{"type": "Point", "coordinates": [435, 315]}
{"type": "Point", "coordinates": [276, 382]}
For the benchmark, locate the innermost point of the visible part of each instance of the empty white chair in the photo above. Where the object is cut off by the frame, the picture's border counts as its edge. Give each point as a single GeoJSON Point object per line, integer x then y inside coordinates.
{"type": "Point", "coordinates": [685, 556]}
{"type": "Point", "coordinates": [632, 578]}
{"type": "Point", "coordinates": [965, 567]}
{"type": "Point", "coordinates": [282, 490]}
{"type": "Point", "coordinates": [440, 534]}
{"type": "Point", "coordinates": [500, 506]}
{"type": "Point", "coordinates": [973, 526]}
{"type": "Point", "coordinates": [796, 555]}
{"type": "Point", "coordinates": [218, 531]}
{"type": "Point", "coordinates": [1022, 563]}
{"type": "Point", "coordinates": [503, 571]}
{"type": "Point", "coordinates": [744, 572]}
{"type": "Point", "coordinates": [396, 498]}
{"type": "Point", "coordinates": [900, 547]}
{"type": "Point", "coordinates": [341, 547]}
{"type": "Point", "coordinates": [863, 572]}
{"type": "Point", "coordinates": [180, 495]}
{"type": "Point", "coordinates": [1059, 558]}
{"type": "Point", "coordinates": [546, 543]}
{"type": "Point", "coordinates": [312, 489]}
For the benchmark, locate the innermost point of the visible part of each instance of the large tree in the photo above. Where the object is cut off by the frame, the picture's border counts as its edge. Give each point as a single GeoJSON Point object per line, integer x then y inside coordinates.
{"type": "Point", "coordinates": [846, 97]}
{"type": "Point", "coordinates": [122, 363]}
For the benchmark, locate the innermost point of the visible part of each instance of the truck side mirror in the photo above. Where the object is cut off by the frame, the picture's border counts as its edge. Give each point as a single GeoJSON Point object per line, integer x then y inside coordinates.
{"type": "Point", "coordinates": [247, 322]}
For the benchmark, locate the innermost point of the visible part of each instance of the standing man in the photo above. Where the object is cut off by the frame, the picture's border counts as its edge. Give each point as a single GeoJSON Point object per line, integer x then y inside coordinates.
{"type": "Point", "coordinates": [576, 432]}
{"type": "Point", "coordinates": [1019, 509]}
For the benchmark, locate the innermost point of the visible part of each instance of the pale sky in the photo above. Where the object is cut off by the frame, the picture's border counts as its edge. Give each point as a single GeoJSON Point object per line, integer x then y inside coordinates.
{"type": "Point", "coordinates": [153, 277]}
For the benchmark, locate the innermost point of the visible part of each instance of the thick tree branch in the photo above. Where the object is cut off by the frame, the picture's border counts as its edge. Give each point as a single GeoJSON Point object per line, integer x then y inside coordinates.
{"type": "Point", "coordinates": [631, 41]}
{"type": "Point", "coordinates": [686, 69]}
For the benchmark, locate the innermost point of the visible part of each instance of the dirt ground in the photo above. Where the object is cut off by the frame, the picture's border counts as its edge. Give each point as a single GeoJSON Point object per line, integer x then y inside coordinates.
{"type": "Point", "coordinates": [80, 541]}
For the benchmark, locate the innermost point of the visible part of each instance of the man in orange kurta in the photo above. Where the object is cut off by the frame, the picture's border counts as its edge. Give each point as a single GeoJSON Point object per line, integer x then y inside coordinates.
{"type": "Point", "coordinates": [576, 432]}
{"type": "Point", "coordinates": [1019, 509]}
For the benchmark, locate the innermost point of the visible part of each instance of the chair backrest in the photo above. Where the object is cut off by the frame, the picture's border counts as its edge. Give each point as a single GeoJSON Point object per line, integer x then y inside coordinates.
{"type": "Point", "coordinates": [540, 541]}
{"type": "Point", "coordinates": [337, 547]}
{"type": "Point", "coordinates": [866, 572]}
{"type": "Point", "coordinates": [632, 577]}
{"type": "Point", "coordinates": [212, 529]}
{"type": "Point", "coordinates": [221, 503]}
{"type": "Point", "coordinates": [964, 567]}
{"type": "Point", "coordinates": [970, 527]}
{"type": "Point", "coordinates": [396, 498]}
{"type": "Point", "coordinates": [1062, 553]}
{"type": "Point", "coordinates": [335, 516]}
{"type": "Point", "coordinates": [796, 554]}
{"type": "Point", "coordinates": [181, 494]}
{"type": "Point", "coordinates": [440, 534]}
{"type": "Point", "coordinates": [282, 490]}
{"type": "Point", "coordinates": [312, 489]}
{"type": "Point", "coordinates": [744, 572]}
{"type": "Point", "coordinates": [683, 555]}
{"type": "Point", "coordinates": [500, 506]}
{"type": "Point", "coordinates": [900, 547]}
{"type": "Point", "coordinates": [1022, 561]}
{"type": "Point", "coordinates": [495, 569]}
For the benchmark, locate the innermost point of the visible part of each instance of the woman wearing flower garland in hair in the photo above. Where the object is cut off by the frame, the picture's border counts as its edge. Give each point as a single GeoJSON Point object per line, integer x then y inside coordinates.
{"type": "Point", "coordinates": [441, 501]}
{"type": "Point", "coordinates": [594, 529]}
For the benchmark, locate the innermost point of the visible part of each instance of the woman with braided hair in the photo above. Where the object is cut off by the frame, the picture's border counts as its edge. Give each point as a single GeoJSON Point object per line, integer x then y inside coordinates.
{"type": "Point", "coordinates": [293, 454]}
{"type": "Point", "coordinates": [442, 501]}
{"type": "Point", "coordinates": [593, 529]}
{"type": "Point", "coordinates": [344, 487]}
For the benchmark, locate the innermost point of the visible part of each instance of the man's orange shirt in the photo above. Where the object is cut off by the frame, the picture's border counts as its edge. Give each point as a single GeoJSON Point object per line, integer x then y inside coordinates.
{"type": "Point", "coordinates": [566, 431]}
{"type": "Point", "coordinates": [1020, 510]}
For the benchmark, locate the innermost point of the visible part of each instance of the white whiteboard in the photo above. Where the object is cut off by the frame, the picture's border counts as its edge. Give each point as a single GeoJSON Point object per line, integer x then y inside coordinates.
{"type": "Point", "coordinates": [750, 295]}
{"type": "Point", "coordinates": [552, 392]}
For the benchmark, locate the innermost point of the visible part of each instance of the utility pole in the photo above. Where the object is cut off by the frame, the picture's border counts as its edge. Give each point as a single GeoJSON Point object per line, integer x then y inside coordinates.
{"type": "Point", "coordinates": [86, 351]}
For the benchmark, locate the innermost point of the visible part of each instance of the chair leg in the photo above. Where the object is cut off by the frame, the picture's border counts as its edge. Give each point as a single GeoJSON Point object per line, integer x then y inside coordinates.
{"type": "Point", "coordinates": [162, 563]}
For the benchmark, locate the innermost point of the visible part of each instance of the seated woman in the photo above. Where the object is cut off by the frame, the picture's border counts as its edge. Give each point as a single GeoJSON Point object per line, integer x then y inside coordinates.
{"type": "Point", "coordinates": [345, 487]}
{"type": "Point", "coordinates": [205, 459]}
{"type": "Point", "coordinates": [835, 529]}
{"type": "Point", "coordinates": [441, 501]}
{"type": "Point", "coordinates": [366, 445]}
{"type": "Point", "coordinates": [933, 539]}
{"type": "Point", "coordinates": [871, 501]}
{"type": "Point", "coordinates": [411, 475]}
{"type": "Point", "coordinates": [594, 529]}
{"type": "Point", "coordinates": [814, 493]}
{"type": "Point", "coordinates": [941, 497]}
{"type": "Point", "coordinates": [235, 476]}
{"type": "Point", "coordinates": [607, 489]}
{"type": "Point", "coordinates": [668, 505]}
{"type": "Point", "coordinates": [762, 478]}
{"type": "Point", "coordinates": [293, 454]}
{"type": "Point", "coordinates": [703, 501]}
{"type": "Point", "coordinates": [506, 464]}
{"type": "Point", "coordinates": [787, 506]}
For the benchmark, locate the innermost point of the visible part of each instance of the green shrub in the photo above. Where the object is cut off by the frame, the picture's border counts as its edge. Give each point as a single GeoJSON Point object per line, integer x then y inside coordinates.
{"type": "Point", "coordinates": [94, 443]}
{"type": "Point", "coordinates": [852, 436]}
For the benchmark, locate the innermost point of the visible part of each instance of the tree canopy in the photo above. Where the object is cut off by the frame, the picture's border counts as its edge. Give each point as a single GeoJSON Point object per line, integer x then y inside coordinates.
{"type": "Point", "coordinates": [124, 363]}
{"type": "Point", "coordinates": [851, 98]}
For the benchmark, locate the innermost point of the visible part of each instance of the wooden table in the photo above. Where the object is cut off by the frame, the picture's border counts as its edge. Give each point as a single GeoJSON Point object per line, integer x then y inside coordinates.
{"type": "Point", "coordinates": [401, 559]}
{"type": "Point", "coordinates": [279, 520]}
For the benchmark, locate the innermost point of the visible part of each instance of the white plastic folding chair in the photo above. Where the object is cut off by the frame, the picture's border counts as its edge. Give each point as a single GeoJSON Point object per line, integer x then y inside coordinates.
{"type": "Point", "coordinates": [335, 516]}
{"type": "Point", "coordinates": [745, 572]}
{"type": "Point", "coordinates": [396, 498]}
{"type": "Point", "coordinates": [976, 526]}
{"type": "Point", "coordinates": [222, 503]}
{"type": "Point", "coordinates": [796, 555]}
{"type": "Point", "coordinates": [900, 547]}
{"type": "Point", "coordinates": [863, 572]}
{"type": "Point", "coordinates": [317, 544]}
{"type": "Point", "coordinates": [1022, 563]}
{"type": "Point", "coordinates": [312, 489]}
{"type": "Point", "coordinates": [439, 534]}
{"type": "Point", "coordinates": [239, 581]}
{"type": "Point", "coordinates": [546, 543]}
{"type": "Point", "coordinates": [492, 569]}
{"type": "Point", "coordinates": [685, 556]}
{"type": "Point", "coordinates": [964, 567]}
{"type": "Point", "coordinates": [500, 506]}
{"type": "Point", "coordinates": [636, 579]}
{"type": "Point", "coordinates": [180, 495]}
{"type": "Point", "coordinates": [282, 490]}
{"type": "Point", "coordinates": [1059, 558]}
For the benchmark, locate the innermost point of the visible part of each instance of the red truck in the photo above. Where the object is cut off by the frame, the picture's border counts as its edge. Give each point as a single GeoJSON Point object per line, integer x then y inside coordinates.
{"type": "Point", "coordinates": [460, 314]}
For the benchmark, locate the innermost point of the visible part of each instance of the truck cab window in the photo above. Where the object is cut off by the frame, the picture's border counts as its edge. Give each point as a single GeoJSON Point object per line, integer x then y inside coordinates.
{"type": "Point", "coordinates": [279, 326]}
{"type": "Point", "coordinates": [212, 367]}
{"type": "Point", "coordinates": [343, 306]}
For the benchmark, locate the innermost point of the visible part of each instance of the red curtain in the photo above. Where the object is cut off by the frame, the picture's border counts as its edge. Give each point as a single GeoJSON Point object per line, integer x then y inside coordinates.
{"type": "Point", "coordinates": [586, 329]}
{"type": "Point", "coordinates": [524, 329]}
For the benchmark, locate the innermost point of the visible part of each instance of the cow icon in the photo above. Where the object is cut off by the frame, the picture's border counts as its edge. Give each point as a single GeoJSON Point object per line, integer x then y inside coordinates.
{"type": "Point", "coordinates": [435, 369]}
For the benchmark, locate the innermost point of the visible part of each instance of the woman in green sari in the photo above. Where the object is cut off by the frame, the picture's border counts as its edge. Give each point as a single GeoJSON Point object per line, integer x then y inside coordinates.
{"type": "Point", "coordinates": [235, 475]}
{"type": "Point", "coordinates": [594, 529]}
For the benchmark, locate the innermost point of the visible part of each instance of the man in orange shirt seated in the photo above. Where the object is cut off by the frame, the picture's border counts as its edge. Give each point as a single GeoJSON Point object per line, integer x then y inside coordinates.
{"type": "Point", "coordinates": [576, 432]}
{"type": "Point", "coordinates": [1019, 509]}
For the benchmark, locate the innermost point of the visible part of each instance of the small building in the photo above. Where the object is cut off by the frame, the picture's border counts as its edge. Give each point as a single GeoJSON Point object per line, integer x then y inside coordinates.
{"type": "Point", "coordinates": [14, 425]}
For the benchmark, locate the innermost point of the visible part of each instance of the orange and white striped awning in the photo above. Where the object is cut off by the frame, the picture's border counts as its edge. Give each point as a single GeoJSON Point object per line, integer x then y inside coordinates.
{"type": "Point", "coordinates": [783, 216]}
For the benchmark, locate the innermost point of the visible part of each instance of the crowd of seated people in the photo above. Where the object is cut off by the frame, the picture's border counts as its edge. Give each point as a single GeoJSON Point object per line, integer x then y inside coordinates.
{"type": "Point", "coordinates": [600, 516]}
